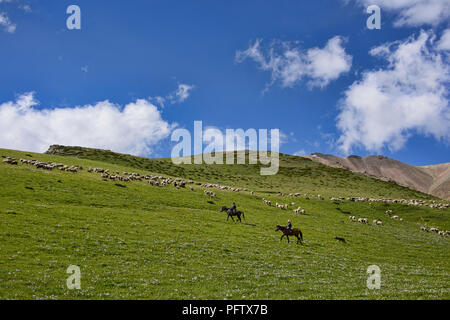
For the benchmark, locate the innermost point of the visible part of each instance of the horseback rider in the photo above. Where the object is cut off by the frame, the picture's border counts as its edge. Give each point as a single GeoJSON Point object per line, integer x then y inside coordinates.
{"type": "Point", "coordinates": [289, 225]}
{"type": "Point", "coordinates": [233, 208]}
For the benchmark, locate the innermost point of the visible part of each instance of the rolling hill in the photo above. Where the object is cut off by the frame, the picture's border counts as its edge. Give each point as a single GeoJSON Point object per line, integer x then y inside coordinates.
{"type": "Point", "coordinates": [433, 179]}
{"type": "Point", "coordinates": [296, 174]}
{"type": "Point", "coordinates": [134, 240]}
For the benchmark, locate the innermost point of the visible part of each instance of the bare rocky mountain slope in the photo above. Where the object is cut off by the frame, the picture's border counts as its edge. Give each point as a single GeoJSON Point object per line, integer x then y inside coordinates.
{"type": "Point", "coordinates": [432, 179]}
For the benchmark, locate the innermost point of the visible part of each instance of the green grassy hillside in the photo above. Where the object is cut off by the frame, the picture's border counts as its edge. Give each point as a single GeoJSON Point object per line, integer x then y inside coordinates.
{"type": "Point", "coordinates": [133, 240]}
{"type": "Point", "coordinates": [296, 174]}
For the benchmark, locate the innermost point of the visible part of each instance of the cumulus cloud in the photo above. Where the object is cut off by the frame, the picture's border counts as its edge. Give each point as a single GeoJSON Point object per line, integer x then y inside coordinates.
{"type": "Point", "coordinates": [135, 128]}
{"type": "Point", "coordinates": [414, 12]}
{"type": "Point", "coordinates": [409, 96]}
{"type": "Point", "coordinates": [290, 64]}
{"type": "Point", "coordinates": [6, 23]}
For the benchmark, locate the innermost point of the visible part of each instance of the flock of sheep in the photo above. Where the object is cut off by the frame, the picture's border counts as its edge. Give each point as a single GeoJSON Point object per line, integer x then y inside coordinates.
{"type": "Point", "coordinates": [162, 181]}
{"type": "Point", "coordinates": [133, 176]}
{"type": "Point", "coordinates": [9, 160]}
{"type": "Point", "coordinates": [181, 183]}
{"type": "Point", "coordinates": [431, 204]}
{"type": "Point", "coordinates": [298, 194]}
{"type": "Point", "coordinates": [299, 210]}
{"type": "Point", "coordinates": [389, 212]}
{"type": "Point", "coordinates": [43, 165]}
{"type": "Point", "coordinates": [435, 230]}
{"type": "Point", "coordinates": [222, 188]}
{"type": "Point", "coordinates": [375, 222]}
{"type": "Point", "coordinates": [413, 202]}
{"type": "Point", "coordinates": [209, 193]}
{"type": "Point", "coordinates": [366, 221]}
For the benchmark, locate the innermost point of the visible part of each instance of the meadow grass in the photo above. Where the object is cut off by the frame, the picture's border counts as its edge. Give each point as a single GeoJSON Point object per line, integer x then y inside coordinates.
{"type": "Point", "coordinates": [135, 241]}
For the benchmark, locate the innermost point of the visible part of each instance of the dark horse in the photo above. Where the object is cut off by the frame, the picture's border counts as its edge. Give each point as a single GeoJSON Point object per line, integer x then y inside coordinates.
{"type": "Point", "coordinates": [293, 232]}
{"type": "Point", "coordinates": [231, 213]}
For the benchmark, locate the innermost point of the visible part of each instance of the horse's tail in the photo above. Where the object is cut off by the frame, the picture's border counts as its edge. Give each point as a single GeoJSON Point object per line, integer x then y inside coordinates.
{"type": "Point", "coordinates": [243, 216]}
{"type": "Point", "coordinates": [301, 235]}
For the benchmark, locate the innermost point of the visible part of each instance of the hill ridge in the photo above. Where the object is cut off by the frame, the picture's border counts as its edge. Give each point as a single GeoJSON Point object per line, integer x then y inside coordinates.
{"type": "Point", "coordinates": [296, 174]}
{"type": "Point", "coordinates": [431, 179]}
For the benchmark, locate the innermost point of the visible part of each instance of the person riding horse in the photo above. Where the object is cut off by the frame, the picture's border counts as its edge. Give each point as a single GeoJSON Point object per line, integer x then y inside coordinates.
{"type": "Point", "coordinates": [289, 231]}
{"type": "Point", "coordinates": [233, 212]}
{"type": "Point", "coordinates": [289, 225]}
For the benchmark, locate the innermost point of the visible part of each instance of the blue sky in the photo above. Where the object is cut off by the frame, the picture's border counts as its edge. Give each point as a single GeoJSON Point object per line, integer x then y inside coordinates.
{"type": "Point", "coordinates": [129, 53]}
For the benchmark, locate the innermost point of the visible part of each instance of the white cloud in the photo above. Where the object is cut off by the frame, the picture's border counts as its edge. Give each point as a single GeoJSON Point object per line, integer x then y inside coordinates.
{"type": "Point", "coordinates": [6, 23]}
{"type": "Point", "coordinates": [136, 128]}
{"type": "Point", "coordinates": [178, 96]}
{"type": "Point", "coordinates": [444, 42]}
{"type": "Point", "coordinates": [290, 64]}
{"type": "Point", "coordinates": [409, 96]}
{"type": "Point", "coordinates": [25, 7]}
{"type": "Point", "coordinates": [300, 153]}
{"type": "Point", "coordinates": [182, 93]}
{"type": "Point", "coordinates": [414, 12]}
{"type": "Point", "coordinates": [159, 100]}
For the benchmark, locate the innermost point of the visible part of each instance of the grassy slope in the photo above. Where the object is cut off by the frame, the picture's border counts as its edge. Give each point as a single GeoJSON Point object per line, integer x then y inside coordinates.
{"type": "Point", "coordinates": [296, 174]}
{"type": "Point", "coordinates": [140, 241]}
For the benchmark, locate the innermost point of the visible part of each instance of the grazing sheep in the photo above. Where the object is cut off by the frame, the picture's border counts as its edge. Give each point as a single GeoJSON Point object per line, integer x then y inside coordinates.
{"type": "Point", "coordinates": [299, 210]}
{"type": "Point", "coordinates": [9, 160]}
{"type": "Point", "coordinates": [282, 206]}
{"type": "Point", "coordinates": [209, 193]}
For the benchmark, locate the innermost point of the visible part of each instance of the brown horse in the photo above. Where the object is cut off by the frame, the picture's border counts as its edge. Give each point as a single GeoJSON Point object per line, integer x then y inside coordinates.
{"type": "Point", "coordinates": [294, 232]}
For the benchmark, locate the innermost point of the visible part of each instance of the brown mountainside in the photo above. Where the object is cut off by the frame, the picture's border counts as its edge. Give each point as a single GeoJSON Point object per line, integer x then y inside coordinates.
{"type": "Point", "coordinates": [433, 179]}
